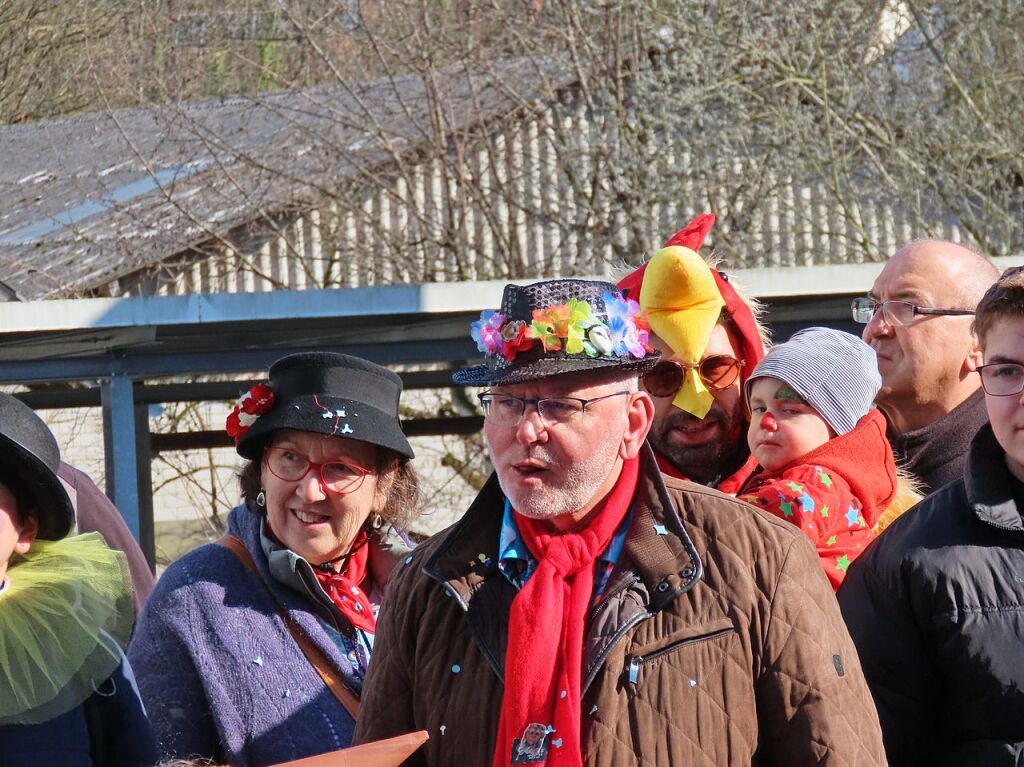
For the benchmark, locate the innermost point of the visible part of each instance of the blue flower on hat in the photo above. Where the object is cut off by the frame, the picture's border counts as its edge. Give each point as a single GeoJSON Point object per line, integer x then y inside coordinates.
{"type": "Point", "coordinates": [629, 331]}
{"type": "Point", "coordinates": [486, 331]}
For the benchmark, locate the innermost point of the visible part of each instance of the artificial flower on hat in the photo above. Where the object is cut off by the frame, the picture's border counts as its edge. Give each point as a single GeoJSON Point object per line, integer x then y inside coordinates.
{"type": "Point", "coordinates": [259, 400]}
{"type": "Point", "coordinates": [680, 296]}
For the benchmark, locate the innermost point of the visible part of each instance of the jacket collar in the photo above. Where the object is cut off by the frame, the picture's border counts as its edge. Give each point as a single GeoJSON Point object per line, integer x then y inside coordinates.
{"type": "Point", "coordinates": [989, 485]}
{"type": "Point", "coordinates": [926, 450]}
{"type": "Point", "coordinates": [468, 553]}
{"type": "Point", "coordinates": [658, 546]}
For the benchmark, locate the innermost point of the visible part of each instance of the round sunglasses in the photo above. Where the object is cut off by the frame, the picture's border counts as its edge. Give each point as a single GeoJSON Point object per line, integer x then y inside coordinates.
{"type": "Point", "coordinates": [718, 372]}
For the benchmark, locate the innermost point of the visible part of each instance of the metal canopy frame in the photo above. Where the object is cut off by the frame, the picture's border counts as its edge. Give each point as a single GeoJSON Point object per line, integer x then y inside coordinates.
{"type": "Point", "coordinates": [125, 343]}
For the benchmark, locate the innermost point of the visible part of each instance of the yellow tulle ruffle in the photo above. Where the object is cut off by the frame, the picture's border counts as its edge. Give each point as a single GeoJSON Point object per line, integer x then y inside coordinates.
{"type": "Point", "coordinates": [64, 612]}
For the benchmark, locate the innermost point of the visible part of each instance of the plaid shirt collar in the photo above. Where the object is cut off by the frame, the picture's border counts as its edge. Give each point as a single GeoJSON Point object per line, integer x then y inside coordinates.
{"type": "Point", "coordinates": [517, 564]}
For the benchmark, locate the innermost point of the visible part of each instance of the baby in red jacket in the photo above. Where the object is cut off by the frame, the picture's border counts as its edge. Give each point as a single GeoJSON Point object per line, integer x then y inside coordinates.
{"type": "Point", "coordinates": [825, 464]}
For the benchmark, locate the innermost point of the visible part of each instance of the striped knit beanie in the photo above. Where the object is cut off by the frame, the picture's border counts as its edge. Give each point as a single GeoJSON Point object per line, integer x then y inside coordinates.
{"type": "Point", "coordinates": [835, 372]}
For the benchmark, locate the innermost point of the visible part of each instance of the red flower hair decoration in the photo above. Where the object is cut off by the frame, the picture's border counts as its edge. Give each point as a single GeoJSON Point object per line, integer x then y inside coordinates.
{"type": "Point", "coordinates": [247, 411]}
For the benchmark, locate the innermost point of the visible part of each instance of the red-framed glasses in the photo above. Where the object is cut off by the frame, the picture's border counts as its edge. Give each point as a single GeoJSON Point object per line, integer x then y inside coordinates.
{"type": "Point", "coordinates": [336, 477]}
{"type": "Point", "coordinates": [719, 371]}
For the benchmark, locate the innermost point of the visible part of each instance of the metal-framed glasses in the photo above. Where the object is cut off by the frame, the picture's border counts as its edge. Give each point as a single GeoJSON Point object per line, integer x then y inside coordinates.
{"type": "Point", "coordinates": [336, 477]}
{"type": "Point", "coordinates": [1002, 379]}
{"type": "Point", "coordinates": [718, 372]}
{"type": "Point", "coordinates": [506, 410]}
{"type": "Point", "coordinates": [897, 312]}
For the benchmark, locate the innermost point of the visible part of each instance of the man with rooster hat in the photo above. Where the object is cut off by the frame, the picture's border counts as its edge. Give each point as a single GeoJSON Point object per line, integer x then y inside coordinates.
{"type": "Point", "coordinates": [711, 340]}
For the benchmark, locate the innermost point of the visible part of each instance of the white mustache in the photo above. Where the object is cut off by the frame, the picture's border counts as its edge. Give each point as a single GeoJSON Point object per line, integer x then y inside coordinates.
{"type": "Point", "coordinates": [537, 454]}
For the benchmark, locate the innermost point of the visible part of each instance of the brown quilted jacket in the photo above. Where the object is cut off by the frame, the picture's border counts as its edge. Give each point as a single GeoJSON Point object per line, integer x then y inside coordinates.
{"type": "Point", "coordinates": [718, 643]}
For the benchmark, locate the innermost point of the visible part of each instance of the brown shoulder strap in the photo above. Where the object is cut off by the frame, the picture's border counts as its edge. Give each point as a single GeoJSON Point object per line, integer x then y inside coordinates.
{"type": "Point", "coordinates": [234, 543]}
{"type": "Point", "coordinates": [320, 663]}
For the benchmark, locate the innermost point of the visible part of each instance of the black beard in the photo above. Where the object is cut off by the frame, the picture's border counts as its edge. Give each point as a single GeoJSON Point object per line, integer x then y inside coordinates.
{"type": "Point", "coordinates": [712, 461]}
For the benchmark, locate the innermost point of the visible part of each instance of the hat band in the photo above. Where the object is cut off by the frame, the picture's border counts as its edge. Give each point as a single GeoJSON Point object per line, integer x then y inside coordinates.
{"type": "Point", "coordinates": [572, 328]}
{"type": "Point", "coordinates": [350, 383]}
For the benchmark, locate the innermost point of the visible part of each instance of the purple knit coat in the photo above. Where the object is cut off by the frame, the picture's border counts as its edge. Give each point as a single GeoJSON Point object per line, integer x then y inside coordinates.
{"type": "Point", "coordinates": [220, 675]}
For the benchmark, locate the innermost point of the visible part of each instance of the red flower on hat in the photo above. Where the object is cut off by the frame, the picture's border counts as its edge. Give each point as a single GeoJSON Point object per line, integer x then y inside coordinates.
{"type": "Point", "coordinates": [521, 341]}
{"type": "Point", "coordinates": [250, 406]}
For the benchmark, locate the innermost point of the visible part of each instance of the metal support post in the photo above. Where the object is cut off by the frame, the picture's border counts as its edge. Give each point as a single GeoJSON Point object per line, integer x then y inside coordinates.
{"type": "Point", "coordinates": [144, 459]}
{"type": "Point", "coordinates": [119, 445]}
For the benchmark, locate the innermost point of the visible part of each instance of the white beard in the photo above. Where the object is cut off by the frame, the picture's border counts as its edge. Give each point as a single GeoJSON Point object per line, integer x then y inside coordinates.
{"type": "Point", "coordinates": [574, 489]}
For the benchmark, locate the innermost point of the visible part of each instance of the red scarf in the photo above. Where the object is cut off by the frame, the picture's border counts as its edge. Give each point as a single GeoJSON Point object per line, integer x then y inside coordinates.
{"type": "Point", "coordinates": [544, 659]}
{"type": "Point", "coordinates": [346, 588]}
{"type": "Point", "coordinates": [729, 485]}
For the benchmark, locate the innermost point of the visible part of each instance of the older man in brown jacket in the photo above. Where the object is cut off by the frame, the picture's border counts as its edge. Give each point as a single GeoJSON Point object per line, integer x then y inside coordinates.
{"type": "Point", "coordinates": [588, 610]}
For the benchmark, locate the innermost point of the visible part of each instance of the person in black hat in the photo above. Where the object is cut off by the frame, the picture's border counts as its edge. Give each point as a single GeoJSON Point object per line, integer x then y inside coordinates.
{"type": "Point", "coordinates": [66, 690]}
{"type": "Point", "coordinates": [252, 651]}
{"type": "Point", "coordinates": [588, 609]}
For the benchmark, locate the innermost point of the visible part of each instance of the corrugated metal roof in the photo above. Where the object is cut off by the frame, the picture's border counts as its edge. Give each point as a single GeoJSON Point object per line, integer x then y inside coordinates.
{"type": "Point", "coordinates": [86, 200]}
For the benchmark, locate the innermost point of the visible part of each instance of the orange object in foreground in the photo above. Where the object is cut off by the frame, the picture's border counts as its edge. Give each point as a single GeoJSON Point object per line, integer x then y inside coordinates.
{"type": "Point", "coordinates": [381, 753]}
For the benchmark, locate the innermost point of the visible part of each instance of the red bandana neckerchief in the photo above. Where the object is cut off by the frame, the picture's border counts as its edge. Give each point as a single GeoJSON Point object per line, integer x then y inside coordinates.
{"type": "Point", "coordinates": [345, 589]}
{"type": "Point", "coordinates": [729, 485]}
{"type": "Point", "coordinates": [544, 659]}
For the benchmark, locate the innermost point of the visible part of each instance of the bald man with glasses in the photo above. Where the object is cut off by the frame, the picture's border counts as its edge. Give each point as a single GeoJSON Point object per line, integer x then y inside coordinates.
{"type": "Point", "coordinates": [934, 604]}
{"type": "Point", "coordinates": [917, 318]}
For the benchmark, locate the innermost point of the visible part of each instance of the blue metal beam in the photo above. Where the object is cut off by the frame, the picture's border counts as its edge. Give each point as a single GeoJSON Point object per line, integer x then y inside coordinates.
{"type": "Point", "coordinates": [142, 366]}
{"type": "Point", "coordinates": [120, 443]}
{"type": "Point", "coordinates": [420, 301]}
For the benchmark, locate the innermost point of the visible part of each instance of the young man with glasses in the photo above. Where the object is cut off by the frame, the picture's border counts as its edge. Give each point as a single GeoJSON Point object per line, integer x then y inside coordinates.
{"type": "Point", "coordinates": [934, 604]}
{"type": "Point", "coordinates": [917, 319]}
{"type": "Point", "coordinates": [588, 610]}
{"type": "Point", "coordinates": [710, 340]}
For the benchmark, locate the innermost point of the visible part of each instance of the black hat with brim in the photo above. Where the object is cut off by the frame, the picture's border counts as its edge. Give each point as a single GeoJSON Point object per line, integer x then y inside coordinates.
{"type": "Point", "coordinates": [518, 303]}
{"type": "Point", "coordinates": [29, 460]}
{"type": "Point", "coordinates": [332, 394]}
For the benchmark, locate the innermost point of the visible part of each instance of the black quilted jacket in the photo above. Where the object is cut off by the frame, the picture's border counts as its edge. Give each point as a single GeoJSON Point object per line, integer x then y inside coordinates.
{"type": "Point", "coordinates": [719, 643]}
{"type": "Point", "coordinates": [936, 608]}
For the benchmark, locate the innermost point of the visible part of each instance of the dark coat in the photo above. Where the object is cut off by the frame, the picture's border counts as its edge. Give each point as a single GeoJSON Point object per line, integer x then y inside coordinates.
{"type": "Point", "coordinates": [936, 608]}
{"type": "Point", "coordinates": [718, 642]}
{"type": "Point", "coordinates": [109, 729]}
{"type": "Point", "coordinates": [936, 453]}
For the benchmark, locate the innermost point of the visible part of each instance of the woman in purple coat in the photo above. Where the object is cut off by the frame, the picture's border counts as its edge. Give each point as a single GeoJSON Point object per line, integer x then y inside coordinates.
{"type": "Point", "coordinates": [252, 651]}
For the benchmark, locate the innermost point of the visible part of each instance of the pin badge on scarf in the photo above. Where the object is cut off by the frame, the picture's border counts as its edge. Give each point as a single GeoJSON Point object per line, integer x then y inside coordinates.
{"type": "Point", "coordinates": [532, 746]}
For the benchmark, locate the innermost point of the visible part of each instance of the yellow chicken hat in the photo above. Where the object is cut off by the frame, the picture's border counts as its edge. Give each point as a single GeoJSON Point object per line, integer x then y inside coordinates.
{"type": "Point", "coordinates": [682, 302]}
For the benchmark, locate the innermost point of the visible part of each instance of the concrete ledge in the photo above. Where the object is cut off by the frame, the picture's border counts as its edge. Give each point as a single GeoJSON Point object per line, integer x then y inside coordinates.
{"type": "Point", "coordinates": [439, 298]}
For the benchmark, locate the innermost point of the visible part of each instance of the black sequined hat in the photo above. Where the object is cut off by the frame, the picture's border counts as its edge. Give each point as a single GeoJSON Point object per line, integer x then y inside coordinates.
{"type": "Point", "coordinates": [555, 327]}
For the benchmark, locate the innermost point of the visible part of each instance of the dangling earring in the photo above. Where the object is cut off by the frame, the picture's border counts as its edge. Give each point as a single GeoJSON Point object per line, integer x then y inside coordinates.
{"type": "Point", "coordinates": [261, 499]}
{"type": "Point", "coordinates": [377, 521]}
